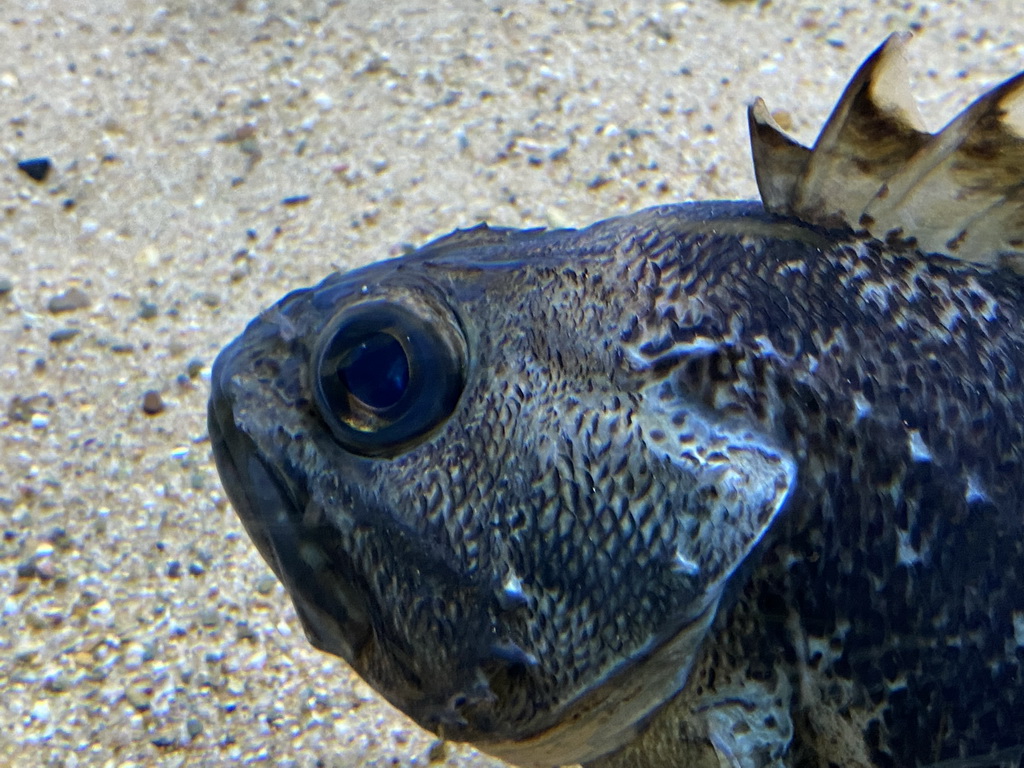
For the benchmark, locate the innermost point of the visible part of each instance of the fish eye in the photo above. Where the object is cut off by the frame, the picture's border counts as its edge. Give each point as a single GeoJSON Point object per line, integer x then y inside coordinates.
{"type": "Point", "coordinates": [376, 371]}
{"type": "Point", "coordinates": [386, 376]}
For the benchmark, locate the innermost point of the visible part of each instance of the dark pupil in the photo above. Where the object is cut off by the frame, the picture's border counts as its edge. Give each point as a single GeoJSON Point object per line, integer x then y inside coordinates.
{"type": "Point", "coordinates": [376, 371]}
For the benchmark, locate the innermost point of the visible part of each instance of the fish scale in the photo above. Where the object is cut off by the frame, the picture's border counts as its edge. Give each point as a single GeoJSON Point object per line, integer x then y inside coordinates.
{"type": "Point", "coordinates": [710, 484]}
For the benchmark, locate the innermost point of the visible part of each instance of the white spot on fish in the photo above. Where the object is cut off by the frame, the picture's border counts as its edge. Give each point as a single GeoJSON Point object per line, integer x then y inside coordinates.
{"type": "Point", "coordinates": [906, 554]}
{"type": "Point", "coordinates": [1018, 628]}
{"type": "Point", "coordinates": [949, 316]}
{"type": "Point", "coordinates": [989, 308]}
{"type": "Point", "coordinates": [875, 293]}
{"type": "Point", "coordinates": [765, 346]}
{"type": "Point", "coordinates": [513, 589]}
{"type": "Point", "coordinates": [974, 493]}
{"type": "Point", "coordinates": [862, 405]}
{"type": "Point", "coordinates": [918, 450]}
{"type": "Point", "coordinates": [682, 564]}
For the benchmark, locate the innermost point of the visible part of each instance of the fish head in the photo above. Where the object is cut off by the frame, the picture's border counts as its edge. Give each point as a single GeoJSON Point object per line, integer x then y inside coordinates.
{"type": "Point", "coordinates": [480, 485]}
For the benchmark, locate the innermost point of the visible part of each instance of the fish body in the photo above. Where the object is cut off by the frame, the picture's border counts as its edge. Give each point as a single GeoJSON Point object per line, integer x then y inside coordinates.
{"type": "Point", "coordinates": [708, 484]}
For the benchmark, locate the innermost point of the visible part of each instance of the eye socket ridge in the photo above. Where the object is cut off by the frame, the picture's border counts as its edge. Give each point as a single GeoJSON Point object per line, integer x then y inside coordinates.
{"type": "Point", "coordinates": [385, 375]}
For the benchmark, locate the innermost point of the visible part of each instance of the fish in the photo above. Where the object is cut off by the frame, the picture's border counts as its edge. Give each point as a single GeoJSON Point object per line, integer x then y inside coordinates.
{"type": "Point", "coordinates": [726, 483]}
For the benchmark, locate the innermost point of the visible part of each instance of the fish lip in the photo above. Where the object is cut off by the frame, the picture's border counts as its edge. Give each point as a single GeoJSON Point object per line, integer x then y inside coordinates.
{"type": "Point", "coordinates": [271, 499]}
{"type": "Point", "coordinates": [253, 487]}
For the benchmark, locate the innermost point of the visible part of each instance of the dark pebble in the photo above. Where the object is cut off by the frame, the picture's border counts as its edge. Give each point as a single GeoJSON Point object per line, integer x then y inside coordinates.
{"type": "Point", "coordinates": [295, 200]}
{"type": "Point", "coordinates": [36, 168]}
{"type": "Point", "coordinates": [194, 727]}
{"type": "Point", "coordinates": [64, 334]}
{"type": "Point", "coordinates": [245, 632]}
{"type": "Point", "coordinates": [6, 285]}
{"type": "Point", "coordinates": [437, 753]}
{"type": "Point", "coordinates": [23, 408]}
{"type": "Point", "coordinates": [194, 367]}
{"type": "Point", "coordinates": [210, 298]}
{"type": "Point", "coordinates": [174, 569]}
{"type": "Point", "coordinates": [196, 569]}
{"type": "Point", "coordinates": [266, 583]}
{"type": "Point", "coordinates": [72, 299]}
{"type": "Point", "coordinates": [56, 684]}
{"type": "Point", "coordinates": [152, 403]}
{"type": "Point", "coordinates": [147, 309]}
{"type": "Point", "coordinates": [60, 539]}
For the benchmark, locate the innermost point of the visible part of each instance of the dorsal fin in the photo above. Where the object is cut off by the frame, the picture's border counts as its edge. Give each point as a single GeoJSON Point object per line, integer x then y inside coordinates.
{"type": "Point", "coordinates": [959, 192]}
{"type": "Point", "coordinates": [779, 162]}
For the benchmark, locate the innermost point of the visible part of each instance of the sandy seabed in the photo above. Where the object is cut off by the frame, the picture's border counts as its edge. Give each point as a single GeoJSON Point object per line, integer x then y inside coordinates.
{"type": "Point", "coordinates": [207, 157]}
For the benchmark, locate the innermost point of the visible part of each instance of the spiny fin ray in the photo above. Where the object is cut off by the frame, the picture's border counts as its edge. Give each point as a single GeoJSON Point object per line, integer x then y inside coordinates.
{"type": "Point", "coordinates": [959, 192]}
{"type": "Point", "coordinates": [779, 162]}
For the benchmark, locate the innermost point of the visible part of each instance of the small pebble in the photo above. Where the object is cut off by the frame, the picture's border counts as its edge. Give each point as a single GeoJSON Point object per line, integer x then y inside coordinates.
{"type": "Point", "coordinates": [162, 740]}
{"type": "Point", "coordinates": [6, 286]}
{"type": "Point", "coordinates": [437, 752]}
{"type": "Point", "coordinates": [194, 727]}
{"type": "Point", "coordinates": [22, 408]}
{"type": "Point", "coordinates": [64, 334]}
{"type": "Point", "coordinates": [45, 569]}
{"type": "Point", "coordinates": [40, 710]}
{"type": "Point", "coordinates": [60, 539]}
{"type": "Point", "coordinates": [36, 168]}
{"type": "Point", "coordinates": [244, 631]}
{"type": "Point", "coordinates": [71, 300]}
{"type": "Point", "coordinates": [138, 697]}
{"type": "Point", "coordinates": [295, 200]}
{"type": "Point", "coordinates": [56, 683]}
{"type": "Point", "coordinates": [147, 309]}
{"type": "Point", "coordinates": [209, 618]}
{"type": "Point", "coordinates": [152, 403]}
{"type": "Point", "coordinates": [194, 368]}
{"type": "Point", "coordinates": [265, 584]}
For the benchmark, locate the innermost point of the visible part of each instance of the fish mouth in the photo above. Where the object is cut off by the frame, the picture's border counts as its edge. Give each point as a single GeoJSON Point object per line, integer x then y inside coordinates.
{"type": "Point", "coordinates": [253, 488]}
{"type": "Point", "coordinates": [271, 499]}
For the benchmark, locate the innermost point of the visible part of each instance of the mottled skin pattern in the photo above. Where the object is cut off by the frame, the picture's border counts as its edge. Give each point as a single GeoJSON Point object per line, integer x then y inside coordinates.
{"type": "Point", "coordinates": [796, 455]}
